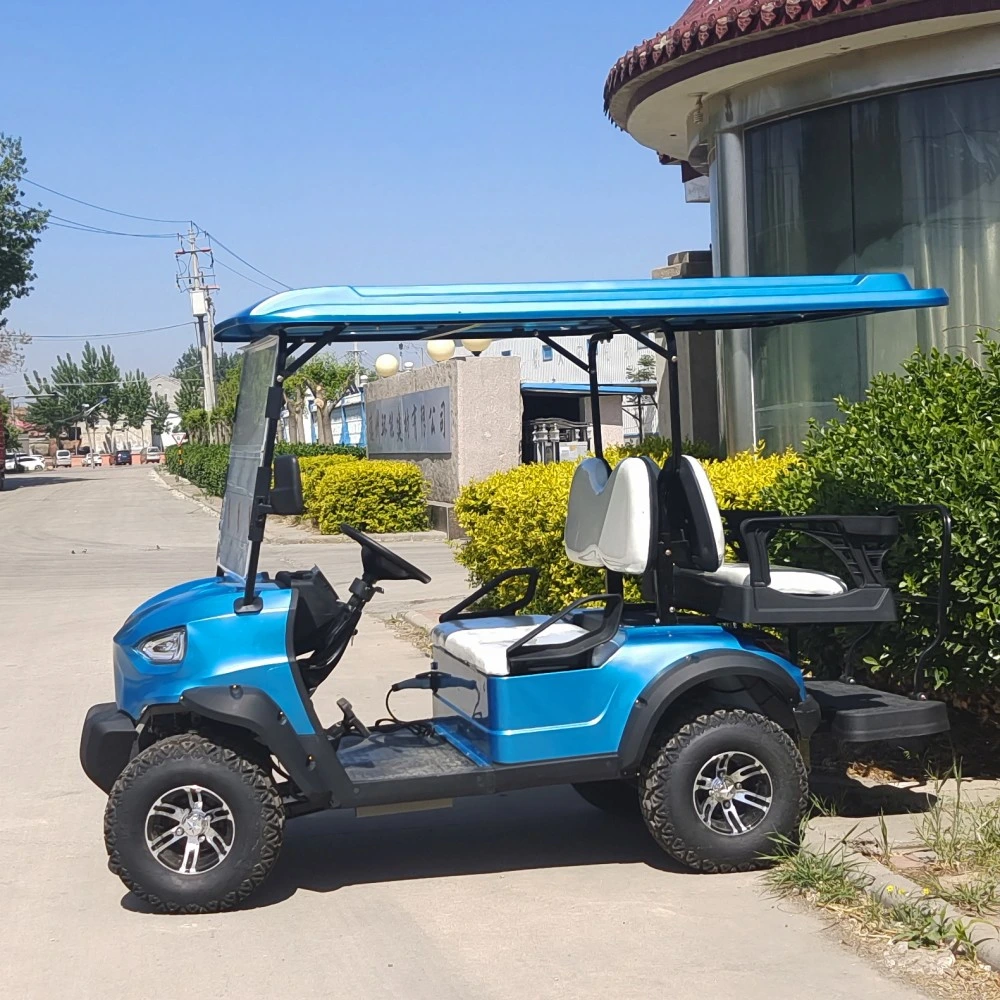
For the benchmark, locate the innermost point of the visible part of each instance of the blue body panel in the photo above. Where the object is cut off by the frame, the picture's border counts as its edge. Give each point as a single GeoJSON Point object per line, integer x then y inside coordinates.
{"type": "Point", "coordinates": [572, 713]}
{"type": "Point", "coordinates": [503, 720]}
{"type": "Point", "coordinates": [522, 310]}
{"type": "Point", "coordinates": [222, 648]}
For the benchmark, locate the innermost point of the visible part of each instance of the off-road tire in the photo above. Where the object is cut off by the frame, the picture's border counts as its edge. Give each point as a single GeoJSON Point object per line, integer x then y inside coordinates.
{"type": "Point", "coordinates": [250, 794]}
{"type": "Point", "coordinates": [617, 797]}
{"type": "Point", "coordinates": [666, 786]}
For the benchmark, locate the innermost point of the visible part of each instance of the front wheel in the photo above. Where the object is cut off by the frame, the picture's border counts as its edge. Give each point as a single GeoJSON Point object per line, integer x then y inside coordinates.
{"type": "Point", "coordinates": [717, 792]}
{"type": "Point", "coordinates": [192, 826]}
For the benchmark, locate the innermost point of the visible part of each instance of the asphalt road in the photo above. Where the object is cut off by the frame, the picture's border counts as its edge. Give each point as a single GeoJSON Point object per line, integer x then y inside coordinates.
{"type": "Point", "coordinates": [529, 895]}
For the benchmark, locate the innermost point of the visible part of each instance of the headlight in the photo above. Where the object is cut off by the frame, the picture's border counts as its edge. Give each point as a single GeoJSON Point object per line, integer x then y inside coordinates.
{"type": "Point", "coordinates": [165, 647]}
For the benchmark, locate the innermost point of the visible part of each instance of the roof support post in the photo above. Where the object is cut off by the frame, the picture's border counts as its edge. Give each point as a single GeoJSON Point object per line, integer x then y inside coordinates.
{"type": "Point", "coordinates": [595, 391]}
{"type": "Point", "coordinates": [674, 388]}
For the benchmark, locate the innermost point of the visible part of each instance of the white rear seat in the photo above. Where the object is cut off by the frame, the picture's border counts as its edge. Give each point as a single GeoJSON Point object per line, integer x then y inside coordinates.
{"type": "Point", "coordinates": [711, 550]}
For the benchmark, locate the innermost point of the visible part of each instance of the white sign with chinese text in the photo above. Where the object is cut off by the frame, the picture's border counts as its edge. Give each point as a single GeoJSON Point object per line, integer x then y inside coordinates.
{"type": "Point", "coordinates": [415, 423]}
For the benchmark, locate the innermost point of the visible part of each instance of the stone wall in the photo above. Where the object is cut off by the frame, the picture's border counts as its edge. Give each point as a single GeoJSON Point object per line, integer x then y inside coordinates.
{"type": "Point", "coordinates": [485, 431]}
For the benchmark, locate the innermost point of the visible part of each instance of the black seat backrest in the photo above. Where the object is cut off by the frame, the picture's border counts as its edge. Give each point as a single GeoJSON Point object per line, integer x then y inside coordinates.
{"type": "Point", "coordinates": [692, 516]}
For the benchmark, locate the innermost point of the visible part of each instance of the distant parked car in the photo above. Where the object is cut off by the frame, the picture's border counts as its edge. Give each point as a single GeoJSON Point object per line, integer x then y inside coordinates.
{"type": "Point", "coordinates": [63, 459]}
{"type": "Point", "coordinates": [152, 454]}
{"type": "Point", "coordinates": [31, 463]}
{"type": "Point", "coordinates": [10, 462]}
{"type": "Point", "coordinates": [123, 457]}
{"type": "Point", "coordinates": [92, 458]}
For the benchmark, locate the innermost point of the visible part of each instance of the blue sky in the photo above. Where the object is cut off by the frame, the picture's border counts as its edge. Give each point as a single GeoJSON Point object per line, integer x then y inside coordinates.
{"type": "Point", "coordinates": [327, 143]}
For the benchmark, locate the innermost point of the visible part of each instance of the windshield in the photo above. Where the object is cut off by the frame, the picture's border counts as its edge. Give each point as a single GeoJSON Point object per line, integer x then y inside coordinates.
{"type": "Point", "coordinates": [246, 455]}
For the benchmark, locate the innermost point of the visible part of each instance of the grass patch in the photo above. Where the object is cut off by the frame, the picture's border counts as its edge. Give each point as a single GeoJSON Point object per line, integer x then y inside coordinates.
{"type": "Point", "coordinates": [834, 881]}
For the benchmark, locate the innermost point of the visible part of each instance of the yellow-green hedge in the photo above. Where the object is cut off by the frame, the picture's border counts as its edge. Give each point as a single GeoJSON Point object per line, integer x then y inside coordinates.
{"type": "Point", "coordinates": [517, 518]}
{"type": "Point", "coordinates": [371, 494]}
{"type": "Point", "coordinates": [313, 469]}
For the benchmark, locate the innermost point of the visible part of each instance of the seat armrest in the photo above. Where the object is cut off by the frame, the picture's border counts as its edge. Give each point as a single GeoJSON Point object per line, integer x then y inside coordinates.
{"type": "Point", "coordinates": [614, 605]}
{"type": "Point", "coordinates": [458, 612]}
{"type": "Point", "coordinates": [732, 523]}
{"type": "Point", "coordinates": [859, 541]}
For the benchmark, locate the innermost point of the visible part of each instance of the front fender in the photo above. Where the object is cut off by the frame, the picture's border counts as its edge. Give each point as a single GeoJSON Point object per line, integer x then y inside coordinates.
{"type": "Point", "coordinates": [309, 759]}
{"type": "Point", "coordinates": [664, 690]}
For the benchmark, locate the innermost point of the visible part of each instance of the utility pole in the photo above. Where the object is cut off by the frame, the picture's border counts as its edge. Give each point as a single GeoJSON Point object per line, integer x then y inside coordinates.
{"type": "Point", "coordinates": [356, 359]}
{"type": "Point", "coordinates": [192, 280]}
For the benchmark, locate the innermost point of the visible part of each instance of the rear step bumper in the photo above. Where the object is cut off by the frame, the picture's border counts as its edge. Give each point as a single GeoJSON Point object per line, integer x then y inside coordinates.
{"type": "Point", "coordinates": [860, 714]}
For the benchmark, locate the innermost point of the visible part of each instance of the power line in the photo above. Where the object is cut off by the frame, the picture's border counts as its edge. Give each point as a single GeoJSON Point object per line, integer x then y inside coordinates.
{"type": "Point", "coordinates": [242, 260]}
{"type": "Point", "coordinates": [101, 208]}
{"type": "Point", "coordinates": [84, 227]}
{"type": "Point", "coordinates": [108, 336]}
{"type": "Point", "coordinates": [245, 277]}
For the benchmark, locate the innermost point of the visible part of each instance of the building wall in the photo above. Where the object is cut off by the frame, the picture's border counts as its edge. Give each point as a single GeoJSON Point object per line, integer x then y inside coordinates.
{"type": "Point", "coordinates": [485, 434]}
{"type": "Point", "coordinates": [856, 162]}
{"type": "Point", "coordinates": [540, 363]}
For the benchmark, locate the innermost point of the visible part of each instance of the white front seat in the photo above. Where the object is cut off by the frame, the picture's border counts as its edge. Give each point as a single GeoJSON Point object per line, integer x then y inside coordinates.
{"type": "Point", "coordinates": [609, 524]}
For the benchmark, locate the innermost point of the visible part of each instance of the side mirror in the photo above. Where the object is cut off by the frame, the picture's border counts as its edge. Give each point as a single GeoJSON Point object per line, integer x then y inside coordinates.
{"type": "Point", "coordinates": [286, 493]}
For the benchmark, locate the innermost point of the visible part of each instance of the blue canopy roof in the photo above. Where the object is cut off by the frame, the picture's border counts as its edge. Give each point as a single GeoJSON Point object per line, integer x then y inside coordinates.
{"type": "Point", "coordinates": [419, 312]}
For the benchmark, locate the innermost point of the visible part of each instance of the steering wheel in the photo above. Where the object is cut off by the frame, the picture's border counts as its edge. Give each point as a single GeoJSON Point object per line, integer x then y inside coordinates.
{"type": "Point", "coordinates": [383, 563]}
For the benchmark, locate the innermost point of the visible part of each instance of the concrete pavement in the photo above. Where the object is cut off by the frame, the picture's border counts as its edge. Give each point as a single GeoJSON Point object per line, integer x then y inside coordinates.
{"type": "Point", "coordinates": [532, 895]}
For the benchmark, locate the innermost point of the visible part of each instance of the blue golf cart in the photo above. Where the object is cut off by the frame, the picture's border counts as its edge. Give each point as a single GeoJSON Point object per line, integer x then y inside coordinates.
{"type": "Point", "coordinates": [686, 706]}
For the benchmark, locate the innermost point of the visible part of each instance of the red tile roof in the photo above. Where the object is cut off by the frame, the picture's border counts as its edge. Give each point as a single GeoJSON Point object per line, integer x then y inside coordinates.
{"type": "Point", "coordinates": [710, 24]}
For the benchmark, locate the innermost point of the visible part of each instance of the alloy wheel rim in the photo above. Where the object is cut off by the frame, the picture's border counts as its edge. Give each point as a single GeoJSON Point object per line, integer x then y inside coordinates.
{"type": "Point", "coordinates": [732, 793]}
{"type": "Point", "coordinates": [190, 830]}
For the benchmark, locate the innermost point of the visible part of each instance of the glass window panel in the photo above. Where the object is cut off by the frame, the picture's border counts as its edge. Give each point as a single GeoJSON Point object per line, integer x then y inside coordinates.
{"type": "Point", "coordinates": [903, 182]}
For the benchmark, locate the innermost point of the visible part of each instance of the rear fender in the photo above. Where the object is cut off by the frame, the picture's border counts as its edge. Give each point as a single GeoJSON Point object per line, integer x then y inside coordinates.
{"type": "Point", "coordinates": [706, 668]}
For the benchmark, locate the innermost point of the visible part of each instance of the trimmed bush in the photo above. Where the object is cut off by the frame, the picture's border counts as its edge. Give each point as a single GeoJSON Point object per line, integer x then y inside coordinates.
{"type": "Point", "coordinates": [372, 495]}
{"type": "Point", "coordinates": [205, 465]}
{"type": "Point", "coordinates": [517, 518]}
{"type": "Point", "coordinates": [928, 435]}
{"type": "Point", "coordinates": [656, 448]}
{"type": "Point", "coordinates": [313, 469]}
{"type": "Point", "coordinates": [312, 450]}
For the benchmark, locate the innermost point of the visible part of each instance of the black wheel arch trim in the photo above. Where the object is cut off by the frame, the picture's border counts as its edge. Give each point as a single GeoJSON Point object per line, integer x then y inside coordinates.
{"type": "Point", "coordinates": [309, 759]}
{"type": "Point", "coordinates": [671, 683]}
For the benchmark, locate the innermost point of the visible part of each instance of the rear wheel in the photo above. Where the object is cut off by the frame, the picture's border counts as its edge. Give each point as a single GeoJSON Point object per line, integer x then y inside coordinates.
{"type": "Point", "coordinates": [192, 826]}
{"type": "Point", "coordinates": [717, 792]}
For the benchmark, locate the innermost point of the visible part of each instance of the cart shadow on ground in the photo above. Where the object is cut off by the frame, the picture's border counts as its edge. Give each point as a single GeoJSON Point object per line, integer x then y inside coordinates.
{"type": "Point", "coordinates": [517, 831]}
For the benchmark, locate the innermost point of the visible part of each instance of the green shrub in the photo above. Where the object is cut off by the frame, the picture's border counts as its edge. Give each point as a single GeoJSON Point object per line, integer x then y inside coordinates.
{"type": "Point", "coordinates": [517, 518]}
{"type": "Point", "coordinates": [656, 448]}
{"type": "Point", "coordinates": [372, 495]}
{"type": "Point", "coordinates": [313, 468]}
{"type": "Point", "coordinates": [205, 465]}
{"type": "Point", "coordinates": [928, 435]}
{"type": "Point", "coordinates": [312, 450]}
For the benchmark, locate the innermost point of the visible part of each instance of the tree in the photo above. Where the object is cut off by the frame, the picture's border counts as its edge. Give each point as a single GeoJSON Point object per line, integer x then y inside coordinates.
{"type": "Point", "coordinates": [328, 379]}
{"type": "Point", "coordinates": [20, 226]}
{"type": "Point", "coordinates": [11, 353]}
{"type": "Point", "coordinates": [113, 407]}
{"type": "Point", "coordinates": [57, 402]}
{"type": "Point", "coordinates": [158, 414]}
{"type": "Point", "coordinates": [136, 401]}
{"type": "Point", "coordinates": [189, 397]}
{"type": "Point", "coordinates": [225, 405]}
{"type": "Point", "coordinates": [12, 437]}
{"type": "Point", "coordinates": [92, 392]}
{"type": "Point", "coordinates": [644, 370]}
